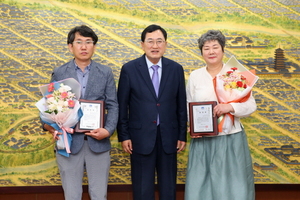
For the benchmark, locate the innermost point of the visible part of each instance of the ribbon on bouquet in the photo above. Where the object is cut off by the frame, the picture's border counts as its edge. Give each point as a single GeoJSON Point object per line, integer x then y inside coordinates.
{"type": "Point", "coordinates": [66, 144]}
{"type": "Point", "coordinates": [65, 140]}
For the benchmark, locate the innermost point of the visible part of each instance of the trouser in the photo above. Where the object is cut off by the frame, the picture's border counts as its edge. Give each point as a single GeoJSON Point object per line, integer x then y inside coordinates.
{"type": "Point", "coordinates": [72, 168]}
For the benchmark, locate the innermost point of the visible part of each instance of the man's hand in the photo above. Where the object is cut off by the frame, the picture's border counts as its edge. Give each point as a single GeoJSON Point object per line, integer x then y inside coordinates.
{"type": "Point", "coordinates": [127, 146]}
{"type": "Point", "coordinates": [52, 131]}
{"type": "Point", "coordinates": [180, 146]}
{"type": "Point", "coordinates": [98, 134]}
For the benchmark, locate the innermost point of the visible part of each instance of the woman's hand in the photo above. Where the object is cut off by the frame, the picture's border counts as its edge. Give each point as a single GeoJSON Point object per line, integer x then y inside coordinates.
{"type": "Point", "coordinates": [196, 136]}
{"type": "Point", "coordinates": [221, 109]}
{"type": "Point", "coordinates": [193, 136]}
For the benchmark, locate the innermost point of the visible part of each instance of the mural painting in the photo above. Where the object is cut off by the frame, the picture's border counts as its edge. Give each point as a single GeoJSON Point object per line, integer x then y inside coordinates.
{"type": "Point", "coordinates": [264, 36]}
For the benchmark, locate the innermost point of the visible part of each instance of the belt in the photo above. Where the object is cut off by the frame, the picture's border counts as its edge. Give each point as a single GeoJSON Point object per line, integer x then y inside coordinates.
{"type": "Point", "coordinates": [85, 137]}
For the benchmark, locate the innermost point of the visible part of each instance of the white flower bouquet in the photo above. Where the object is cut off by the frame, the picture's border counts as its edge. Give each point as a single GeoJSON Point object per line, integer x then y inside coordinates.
{"type": "Point", "coordinates": [60, 108]}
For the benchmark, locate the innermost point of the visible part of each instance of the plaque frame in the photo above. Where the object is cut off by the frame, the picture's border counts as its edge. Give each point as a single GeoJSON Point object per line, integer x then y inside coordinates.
{"type": "Point", "coordinates": [100, 104]}
{"type": "Point", "coordinates": [214, 120]}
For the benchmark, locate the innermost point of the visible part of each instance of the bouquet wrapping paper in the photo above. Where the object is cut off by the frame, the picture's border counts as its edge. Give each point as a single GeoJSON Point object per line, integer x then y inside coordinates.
{"type": "Point", "coordinates": [60, 108]}
{"type": "Point", "coordinates": [233, 85]}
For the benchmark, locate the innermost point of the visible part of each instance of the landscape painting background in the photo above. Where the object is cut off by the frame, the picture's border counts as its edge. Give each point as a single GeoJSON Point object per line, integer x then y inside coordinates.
{"type": "Point", "coordinates": [33, 41]}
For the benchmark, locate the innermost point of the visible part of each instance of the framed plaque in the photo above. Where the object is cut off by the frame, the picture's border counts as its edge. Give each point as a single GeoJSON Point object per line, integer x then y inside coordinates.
{"type": "Point", "coordinates": [202, 121]}
{"type": "Point", "coordinates": [93, 115]}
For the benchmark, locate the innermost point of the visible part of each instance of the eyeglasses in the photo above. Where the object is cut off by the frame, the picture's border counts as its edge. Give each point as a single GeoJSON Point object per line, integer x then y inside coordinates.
{"type": "Point", "coordinates": [157, 42]}
{"type": "Point", "coordinates": [81, 43]}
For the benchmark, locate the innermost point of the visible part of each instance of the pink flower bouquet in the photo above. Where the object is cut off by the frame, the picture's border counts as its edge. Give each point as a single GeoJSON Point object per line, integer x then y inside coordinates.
{"type": "Point", "coordinates": [60, 108]}
{"type": "Point", "coordinates": [233, 84]}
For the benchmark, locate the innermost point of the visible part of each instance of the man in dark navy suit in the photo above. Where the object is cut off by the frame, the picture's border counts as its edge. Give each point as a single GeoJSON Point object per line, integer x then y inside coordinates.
{"type": "Point", "coordinates": [152, 121]}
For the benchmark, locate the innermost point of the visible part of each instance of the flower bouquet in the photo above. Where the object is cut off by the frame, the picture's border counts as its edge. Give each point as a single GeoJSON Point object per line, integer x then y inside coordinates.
{"type": "Point", "coordinates": [233, 85]}
{"type": "Point", "coordinates": [60, 108]}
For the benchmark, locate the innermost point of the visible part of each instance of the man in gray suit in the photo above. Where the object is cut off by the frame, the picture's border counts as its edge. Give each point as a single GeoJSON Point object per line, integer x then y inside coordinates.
{"type": "Point", "coordinates": [89, 150]}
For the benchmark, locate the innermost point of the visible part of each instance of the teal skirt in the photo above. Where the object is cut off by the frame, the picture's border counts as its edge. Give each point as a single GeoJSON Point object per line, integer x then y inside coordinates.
{"type": "Point", "coordinates": [220, 168]}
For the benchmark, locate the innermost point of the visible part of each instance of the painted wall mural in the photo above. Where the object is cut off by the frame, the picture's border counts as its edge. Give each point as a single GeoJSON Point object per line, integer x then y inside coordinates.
{"type": "Point", "coordinates": [263, 35]}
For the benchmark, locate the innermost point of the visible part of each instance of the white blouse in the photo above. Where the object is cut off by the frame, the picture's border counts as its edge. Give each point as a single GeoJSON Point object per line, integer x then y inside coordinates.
{"type": "Point", "coordinates": [200, 88]}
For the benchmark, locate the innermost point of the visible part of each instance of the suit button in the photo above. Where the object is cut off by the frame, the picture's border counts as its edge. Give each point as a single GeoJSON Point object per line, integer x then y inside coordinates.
{"type": "Point", "coordinates": [154, 122]}
{"type": "Point", "coordinates": [158, 104]}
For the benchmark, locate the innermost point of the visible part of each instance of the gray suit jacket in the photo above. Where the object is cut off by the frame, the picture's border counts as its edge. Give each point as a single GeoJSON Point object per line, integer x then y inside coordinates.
{"type": "Point", "coordinates": [100, 86]}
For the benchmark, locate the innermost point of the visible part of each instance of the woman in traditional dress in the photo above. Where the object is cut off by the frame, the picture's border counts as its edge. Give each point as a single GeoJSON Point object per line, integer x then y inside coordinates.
{"type": "Point", "coordinates": [219, 167]}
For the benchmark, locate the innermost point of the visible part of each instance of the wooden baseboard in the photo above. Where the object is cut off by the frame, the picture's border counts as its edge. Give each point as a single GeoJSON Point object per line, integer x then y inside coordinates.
{"type": "Point", "coordinates": [127, 188]}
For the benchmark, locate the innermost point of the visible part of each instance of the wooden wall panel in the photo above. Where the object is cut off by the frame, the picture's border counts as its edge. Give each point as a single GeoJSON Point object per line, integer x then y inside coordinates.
{"type": "Point", "coordinates": [123, 192]}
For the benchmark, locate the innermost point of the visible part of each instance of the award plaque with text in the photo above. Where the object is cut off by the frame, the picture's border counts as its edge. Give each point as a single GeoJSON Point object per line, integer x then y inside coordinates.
{"type": "Point", "coordinates": [202, 121]}
{"type": "Point", "coordinates": [93, 115]}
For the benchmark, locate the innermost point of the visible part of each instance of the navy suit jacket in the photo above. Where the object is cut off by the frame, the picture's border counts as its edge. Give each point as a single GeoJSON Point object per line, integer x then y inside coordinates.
{"type": "Point", "coordinates": [100, 86]}
{"type": "Point", "coordinates": [139, 106]}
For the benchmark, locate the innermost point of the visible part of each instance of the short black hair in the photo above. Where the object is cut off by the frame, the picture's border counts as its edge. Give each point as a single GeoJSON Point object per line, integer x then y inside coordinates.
{"type": "Point", "coordinates": [152, 28]}
{"type": "Point", "coordinates": [210, 36]}
{"type": "Point", "coordinates": [84, 31]}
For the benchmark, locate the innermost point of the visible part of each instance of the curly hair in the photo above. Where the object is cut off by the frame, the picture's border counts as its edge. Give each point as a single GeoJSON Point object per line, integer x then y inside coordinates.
{"type": "Point", "coordinates": [210, 36]}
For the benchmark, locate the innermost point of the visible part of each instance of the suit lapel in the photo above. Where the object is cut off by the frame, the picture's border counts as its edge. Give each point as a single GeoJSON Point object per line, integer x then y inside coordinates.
{"type": "Point", "coordinates": [92, 79]}
{"type": "Point", "coordinates": [164, 76]}
{"type": "Point", "coordinates": [144, 71]}
{"type": "Point", "coordinates": [71, 72]}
